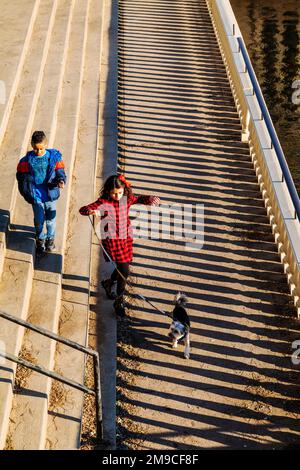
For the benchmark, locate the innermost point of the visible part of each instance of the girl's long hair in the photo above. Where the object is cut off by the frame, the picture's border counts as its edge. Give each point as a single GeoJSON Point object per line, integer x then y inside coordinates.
{"type": "Point", "coordinates": [113, 182]}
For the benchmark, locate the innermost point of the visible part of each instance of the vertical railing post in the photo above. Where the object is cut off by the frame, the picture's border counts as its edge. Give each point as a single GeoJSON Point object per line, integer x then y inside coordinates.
{"type": "Point", "coordinates": [97, 385]}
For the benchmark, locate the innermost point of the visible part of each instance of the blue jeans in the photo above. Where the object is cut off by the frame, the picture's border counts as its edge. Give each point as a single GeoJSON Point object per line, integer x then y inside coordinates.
{"type": "Point", "coordinates": [44, 212]}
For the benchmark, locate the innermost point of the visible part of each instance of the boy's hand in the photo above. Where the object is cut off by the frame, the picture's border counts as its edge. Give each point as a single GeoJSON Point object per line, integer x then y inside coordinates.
{"type": "Point", "coordinates": [61, 184]}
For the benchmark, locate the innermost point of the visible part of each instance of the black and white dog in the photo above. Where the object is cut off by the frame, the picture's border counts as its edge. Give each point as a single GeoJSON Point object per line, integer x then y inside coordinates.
{"type": "Point", "coordinates": [180, 327]}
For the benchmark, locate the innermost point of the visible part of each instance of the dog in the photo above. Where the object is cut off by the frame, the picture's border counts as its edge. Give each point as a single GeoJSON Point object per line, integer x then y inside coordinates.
{"type": "Point", "coordinates": [180, 327]}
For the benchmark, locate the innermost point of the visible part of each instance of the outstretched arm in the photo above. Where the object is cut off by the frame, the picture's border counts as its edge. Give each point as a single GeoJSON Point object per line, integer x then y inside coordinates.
{"type": "Point", "coordinates": [146, 200]}
{"type": "Point", "coordinates": [91, 209]}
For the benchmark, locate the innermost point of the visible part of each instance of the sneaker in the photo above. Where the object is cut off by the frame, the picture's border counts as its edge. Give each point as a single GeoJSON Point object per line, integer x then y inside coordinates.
{"type": "Point", "coordinates": [50, 246]}
{"type": "Point", "coordinates": [40, 245]}
{"type": "Point", "coordinates": [107, 285]}
{"type": "Point", "coordinates": [119, 306]}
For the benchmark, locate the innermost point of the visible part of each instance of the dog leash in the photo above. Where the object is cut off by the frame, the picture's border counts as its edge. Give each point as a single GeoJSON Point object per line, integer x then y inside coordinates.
{"type": "Point", "coordinates": [124, 278]}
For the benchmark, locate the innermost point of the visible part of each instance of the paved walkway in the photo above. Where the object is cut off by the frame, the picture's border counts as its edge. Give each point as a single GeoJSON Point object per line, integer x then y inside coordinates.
{"type": "Point", "coordinates": [180, 139]}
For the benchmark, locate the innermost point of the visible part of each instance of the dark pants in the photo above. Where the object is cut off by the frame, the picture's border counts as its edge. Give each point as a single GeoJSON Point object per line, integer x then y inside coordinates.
{"type": "Point", "coordinates": [124, 269]}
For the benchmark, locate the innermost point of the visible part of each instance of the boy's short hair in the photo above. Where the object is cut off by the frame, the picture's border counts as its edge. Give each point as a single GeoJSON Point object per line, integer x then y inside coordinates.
{"type": "Point", "coordinates": [38, 137]}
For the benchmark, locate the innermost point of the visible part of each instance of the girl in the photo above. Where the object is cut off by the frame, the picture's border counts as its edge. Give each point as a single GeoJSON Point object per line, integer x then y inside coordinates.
{"type": "Point", "coordinates": [114, 202]}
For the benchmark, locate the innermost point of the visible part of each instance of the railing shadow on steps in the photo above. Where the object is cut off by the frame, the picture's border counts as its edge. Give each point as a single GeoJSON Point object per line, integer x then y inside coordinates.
{"type": "Point", "coordinates": [4, 219]}
{"type": "Point", "coordinates": [96, 391]}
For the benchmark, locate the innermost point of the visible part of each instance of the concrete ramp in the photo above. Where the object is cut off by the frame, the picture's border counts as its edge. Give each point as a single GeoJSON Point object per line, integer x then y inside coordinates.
{"type": "Point", "coordinates": [180, 138]}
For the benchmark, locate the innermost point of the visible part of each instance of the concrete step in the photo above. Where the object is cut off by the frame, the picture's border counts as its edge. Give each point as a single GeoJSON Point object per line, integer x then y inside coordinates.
{"type": "Point", "coordinates": [16, 41]}
{"type": "Point", "coordinates": [19, 126]}
{"type": "Point", "coordinates": [64, 422]}
{"type": "Point", "coordinates": [30, 409]}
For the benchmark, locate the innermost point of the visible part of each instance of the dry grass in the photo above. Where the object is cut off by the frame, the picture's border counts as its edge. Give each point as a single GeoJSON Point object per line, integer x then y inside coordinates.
{"type": "Point", "coordinates": [89, 430]}
{"type": "Point", "coordinates": [23, 373]}
{"type": "Point", "coordinates": [8, 443]}
{"type": "Point", "coordinates": [60, 396]}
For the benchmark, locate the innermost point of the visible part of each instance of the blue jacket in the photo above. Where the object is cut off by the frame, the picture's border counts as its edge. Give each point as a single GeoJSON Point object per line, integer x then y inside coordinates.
{"type": "Point", "coordinates": [55, 173]}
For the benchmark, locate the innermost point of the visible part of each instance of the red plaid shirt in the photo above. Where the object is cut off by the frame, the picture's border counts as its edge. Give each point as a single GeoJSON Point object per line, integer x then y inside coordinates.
{"type": "Point", "coordinates": [118, 242]}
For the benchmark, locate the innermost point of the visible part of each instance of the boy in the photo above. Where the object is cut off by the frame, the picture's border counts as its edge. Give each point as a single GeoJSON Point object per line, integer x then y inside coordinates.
{"type": "Point", "coordinates": [40, 176]}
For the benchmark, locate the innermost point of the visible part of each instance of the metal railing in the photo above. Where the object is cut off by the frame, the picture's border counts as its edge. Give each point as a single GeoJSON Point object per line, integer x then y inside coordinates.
{"type": "Point", "coordinates": [275, 181]}
{"type": "Point", "coordinates": [96, 391]}
{"type": "Point", "coordinates": [270, 126]}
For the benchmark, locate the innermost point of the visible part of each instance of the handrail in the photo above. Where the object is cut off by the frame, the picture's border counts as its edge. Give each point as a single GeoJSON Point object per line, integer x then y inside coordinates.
{"type": "Point", "coordinates": [278, 190]}
{"type": "Point", "coordinates": [272, 132]}
{"type": "Point", "coordinates": [41, 370]}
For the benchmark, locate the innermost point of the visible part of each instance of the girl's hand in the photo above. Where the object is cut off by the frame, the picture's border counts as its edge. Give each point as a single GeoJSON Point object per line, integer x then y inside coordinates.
{"type": "Point", "coordinates": [155, 200]}
{"type": "Point", "coordinates": [95, 213]}
{"type": "Point", "coordinates": [61, 184]}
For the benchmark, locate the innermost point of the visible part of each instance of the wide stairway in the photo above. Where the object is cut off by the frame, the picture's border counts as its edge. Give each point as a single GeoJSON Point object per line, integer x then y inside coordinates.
{"type": "Point", "coordinates": [52, 80]}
